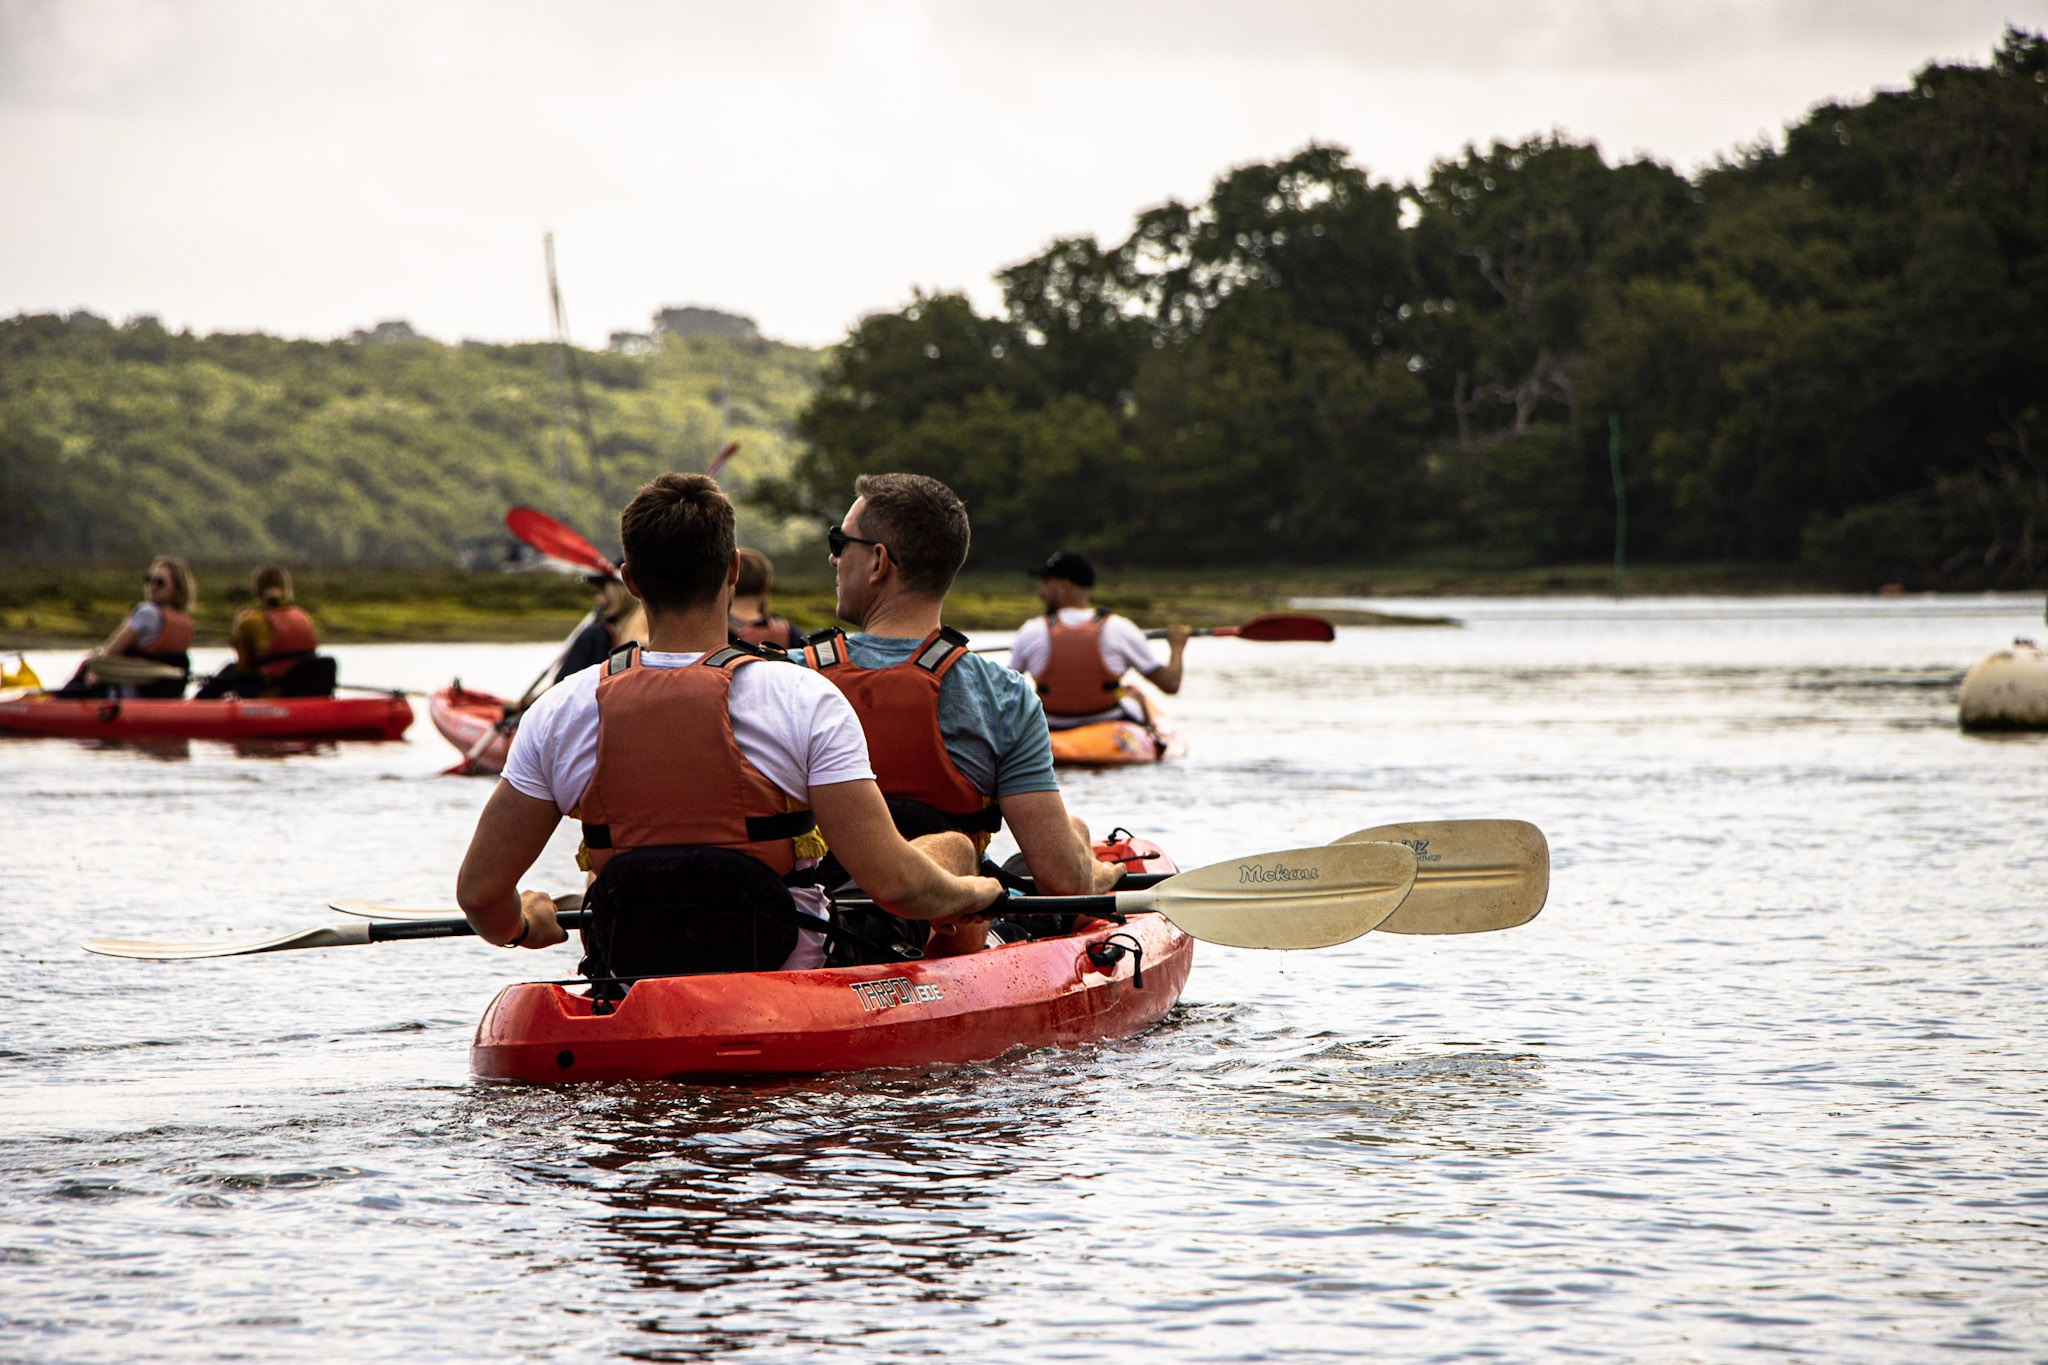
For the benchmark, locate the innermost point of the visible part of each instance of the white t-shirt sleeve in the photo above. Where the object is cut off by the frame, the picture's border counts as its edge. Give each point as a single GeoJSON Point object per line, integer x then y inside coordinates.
{"type": "Point", "coordinates": [147, 621]}
{"type": "Point", "coordinates": [1028, 652]}
{"type": "Point", "coordinates": [1125, 646]}
{"type": "Point", "coordinates": [554, 751]}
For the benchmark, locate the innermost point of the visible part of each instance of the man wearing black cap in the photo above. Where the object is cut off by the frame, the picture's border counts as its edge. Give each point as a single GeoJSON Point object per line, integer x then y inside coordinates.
{"type": "Point", "coordinates": [1079, 654]}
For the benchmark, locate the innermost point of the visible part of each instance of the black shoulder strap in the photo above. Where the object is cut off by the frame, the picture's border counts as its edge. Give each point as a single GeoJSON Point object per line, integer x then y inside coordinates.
{"type": "Point", "coordinates": [622, 658]}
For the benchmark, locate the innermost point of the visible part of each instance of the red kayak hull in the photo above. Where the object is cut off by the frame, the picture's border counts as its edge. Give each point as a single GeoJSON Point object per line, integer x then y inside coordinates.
{"type": "Point", "coordinates": [1039, 993]}
{"type": "Point", "coordinates": [378, 717]}
{"type": "Point", "coordinates": [462, 717]}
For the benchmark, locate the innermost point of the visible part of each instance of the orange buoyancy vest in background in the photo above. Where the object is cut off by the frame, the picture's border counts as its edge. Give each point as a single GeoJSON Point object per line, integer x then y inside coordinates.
{"type": "Point", "coordinates": [172, 642]}
{"type": "Point", "coordinates": [669, 771]}
{"type": "Point", "coordinates": [1076, 682]}
{"type": "Point", "coordinates": [292, 637]}
{"type": "Point", "coordinates": [898, 708]}
{"type": "Point", "coordinates": [769, 630]}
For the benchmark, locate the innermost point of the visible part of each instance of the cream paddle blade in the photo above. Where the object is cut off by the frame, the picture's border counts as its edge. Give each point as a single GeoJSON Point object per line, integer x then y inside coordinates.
{"type": "Point", "coordinates": [126, 670]}
{"type": "Point", "coordinates": [1300, 898]}
{"type": "Point", "coordinates": [1471, 875]}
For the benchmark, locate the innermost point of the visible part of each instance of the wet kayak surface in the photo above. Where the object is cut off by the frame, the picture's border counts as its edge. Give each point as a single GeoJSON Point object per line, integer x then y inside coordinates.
{"type": "Point", "coordinates": [1763, 1077]}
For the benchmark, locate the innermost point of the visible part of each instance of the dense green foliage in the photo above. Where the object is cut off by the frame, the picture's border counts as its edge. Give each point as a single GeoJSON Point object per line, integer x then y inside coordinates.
{"type": "Point", "coordinates": [1832, 352]}
{"type": "Point", "coordinates": [131, 441]}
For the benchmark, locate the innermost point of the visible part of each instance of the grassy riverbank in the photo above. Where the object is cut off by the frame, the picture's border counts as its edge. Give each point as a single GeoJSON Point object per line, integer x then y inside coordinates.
{"type": "Point", "coordinates": [54, 605]}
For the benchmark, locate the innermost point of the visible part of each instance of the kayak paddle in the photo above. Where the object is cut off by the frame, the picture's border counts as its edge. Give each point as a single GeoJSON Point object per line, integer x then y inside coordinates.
{"type": "Point", "coordinates": [555, 540]}
{"type": "Point", "coordinates": [1471, 875]}
{"type": "Point", "coordinates": [1274, 626]}
{"type": "Point", "coordinates": [1296, 898]}
{"type": "Point", "coordinates": [126, 670]}
{"type": "Point", "coordinates": [718, 461]}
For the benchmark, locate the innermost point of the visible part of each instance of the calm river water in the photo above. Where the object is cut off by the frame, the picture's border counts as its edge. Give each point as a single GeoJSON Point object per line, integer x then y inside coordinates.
{"type": "Point", "coordinates": [1765, 1078]}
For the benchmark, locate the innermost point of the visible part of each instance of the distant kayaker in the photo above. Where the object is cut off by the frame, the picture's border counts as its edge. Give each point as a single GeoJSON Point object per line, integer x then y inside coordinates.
{"type": "Point", "coordinates": [607, 628]}
{"type": "Point", "coordinates": [158, 630]}
{"type": "Point", "coordinates": [959, 742]}
{"type": "Point", "coordinates": [1078, 654]}
{"type": "Point", "coordinates": [703, 776]}
{"type": "Point", "coordinates": [277, 647]}
{"type": "Point", "coordinates": [750, 623]}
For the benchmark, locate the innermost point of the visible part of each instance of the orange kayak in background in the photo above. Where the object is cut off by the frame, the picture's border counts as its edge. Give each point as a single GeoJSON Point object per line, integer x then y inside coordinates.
{"type": "Point", "coordinates": [1113, 743]}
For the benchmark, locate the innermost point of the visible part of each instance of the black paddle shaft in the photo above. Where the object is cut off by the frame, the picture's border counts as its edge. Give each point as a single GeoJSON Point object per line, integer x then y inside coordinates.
{"type": "Point", "coordinates": [392, 930]}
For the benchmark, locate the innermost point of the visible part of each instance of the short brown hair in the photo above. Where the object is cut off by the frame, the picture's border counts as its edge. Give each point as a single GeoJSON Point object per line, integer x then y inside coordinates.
{"type": "Point", "coordinates": [678, 534]}
{"type": "Point", "coordinates": [922, 522]}
{"type": "Point", "coordinates": [272, 585]}
{"type": "Point", "coordinates": [757, 575]}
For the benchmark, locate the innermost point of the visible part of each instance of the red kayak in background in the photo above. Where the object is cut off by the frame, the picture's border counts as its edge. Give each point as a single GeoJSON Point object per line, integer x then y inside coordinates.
{"type": "Point", "coordinates": [374, 717]}
{"type": "Point", "coordinates": [1050, 992]}
{"type": "Point", "coordinates": [464, 719]}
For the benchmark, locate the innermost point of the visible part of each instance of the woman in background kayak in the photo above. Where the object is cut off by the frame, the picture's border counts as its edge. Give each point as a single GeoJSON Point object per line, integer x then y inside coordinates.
{"type": "Point", "coordinates": [276, 646]}
{"type": "Point", "coordinates": [159, 630]}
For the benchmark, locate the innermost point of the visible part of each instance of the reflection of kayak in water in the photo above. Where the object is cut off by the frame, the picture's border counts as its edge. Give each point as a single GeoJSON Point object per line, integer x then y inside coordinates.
{"type": "Point", "coordinates": [464, 718]}
{"type": "Point", "coordinates": [1110, 743]}
{"type": "Point", "coordinates": [378, 717]}
{"type": "Point", "coordinates": [1046, 992]}
{"type": "Point", "coordinates": [2006, 691]}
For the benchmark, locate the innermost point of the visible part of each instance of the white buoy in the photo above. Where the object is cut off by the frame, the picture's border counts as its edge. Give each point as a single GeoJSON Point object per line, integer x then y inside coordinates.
{"type": "Point", "coordinates": [2007, 690]}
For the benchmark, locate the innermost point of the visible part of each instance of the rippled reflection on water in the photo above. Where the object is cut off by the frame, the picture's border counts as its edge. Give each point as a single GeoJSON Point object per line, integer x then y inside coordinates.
{"type": "Point", "coordinates": [1763, 1077]}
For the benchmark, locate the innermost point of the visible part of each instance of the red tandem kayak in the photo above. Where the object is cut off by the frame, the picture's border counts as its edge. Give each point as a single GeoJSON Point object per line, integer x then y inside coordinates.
{"type": "Point", "coordinates": [1047, 992]}
{"type": "Point", "coordinates": [377, 717]}
{"type": "Point", "coordinates": [463, 717]}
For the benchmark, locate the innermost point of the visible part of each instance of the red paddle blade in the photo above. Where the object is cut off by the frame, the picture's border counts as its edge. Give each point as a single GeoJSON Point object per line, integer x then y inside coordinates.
{"type": "Point", "coordinates": [711, 472]}
{"type": "Point", "coordinates": [550, 537]}
{"type": "Point", "coordinates": [1284, 626]}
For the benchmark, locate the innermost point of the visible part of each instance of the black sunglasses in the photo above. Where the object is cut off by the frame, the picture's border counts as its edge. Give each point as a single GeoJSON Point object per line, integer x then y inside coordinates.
{"type": "Point", "coordinates": [839, 540]}
{"type": "Point", "coordinates": [152, 579]}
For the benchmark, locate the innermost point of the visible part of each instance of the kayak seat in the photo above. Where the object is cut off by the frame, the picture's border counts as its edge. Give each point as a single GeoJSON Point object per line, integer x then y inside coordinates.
{"type": "Point", "coordinates": [312, 676]}
{"type": "Point", "coordinates": [687, 910]}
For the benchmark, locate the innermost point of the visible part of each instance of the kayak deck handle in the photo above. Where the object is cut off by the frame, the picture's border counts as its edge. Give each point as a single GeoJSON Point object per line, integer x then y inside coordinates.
{"type": "Point", "coordinates": [1106, 953]}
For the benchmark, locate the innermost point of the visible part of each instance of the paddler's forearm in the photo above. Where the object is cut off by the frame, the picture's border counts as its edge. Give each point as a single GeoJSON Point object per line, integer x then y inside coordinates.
{"type": "Point", "coordinates": [510, 834]}
{"type": "Point", "coordinates": [855, 822]}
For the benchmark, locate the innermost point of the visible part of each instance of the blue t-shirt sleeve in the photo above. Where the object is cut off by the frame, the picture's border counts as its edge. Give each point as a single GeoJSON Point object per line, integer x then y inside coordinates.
{"type": "Point", "coordinates": [1023, 745]}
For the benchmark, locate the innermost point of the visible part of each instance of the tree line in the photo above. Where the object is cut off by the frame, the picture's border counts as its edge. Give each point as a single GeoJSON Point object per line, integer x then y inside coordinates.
{"type": "Point", "coordinates": [119, 441]}
{"type": "Point", "coordinates": [1832, 352]}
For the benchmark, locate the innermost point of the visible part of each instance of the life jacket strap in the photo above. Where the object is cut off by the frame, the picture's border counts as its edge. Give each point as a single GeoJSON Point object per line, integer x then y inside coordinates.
{"type": "Point", "coordinates": [826, 649]}
{"type": "Point", "coordinates": [761, 829]}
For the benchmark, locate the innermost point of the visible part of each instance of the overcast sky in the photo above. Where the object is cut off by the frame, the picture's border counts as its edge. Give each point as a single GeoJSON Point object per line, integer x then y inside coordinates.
{"type": "Point", "coordinates": [307, 167]}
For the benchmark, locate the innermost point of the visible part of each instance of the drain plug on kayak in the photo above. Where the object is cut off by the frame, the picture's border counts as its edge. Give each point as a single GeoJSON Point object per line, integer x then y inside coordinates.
{"type": "Point", "coordinates": [565, 1059]}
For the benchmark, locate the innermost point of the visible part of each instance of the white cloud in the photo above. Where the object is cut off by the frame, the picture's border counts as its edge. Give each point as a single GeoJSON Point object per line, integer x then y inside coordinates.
{"type": "Point", "coordinates": [313, 167]}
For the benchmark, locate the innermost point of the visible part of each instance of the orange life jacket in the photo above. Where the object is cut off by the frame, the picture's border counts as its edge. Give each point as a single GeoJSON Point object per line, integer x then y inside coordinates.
{"type": "Point", "coordinates": [670, 773]}
{"type": "Point", "coordinates": [171, 643]}
{"type": "Point", "coordinates": [898, 708]}
{"type": "Point", "coordinates": [1076, 682]}
{"type": "Point", "coordinates": [769, 630]}
{"type": "Point", "coordinates": [292, 638]}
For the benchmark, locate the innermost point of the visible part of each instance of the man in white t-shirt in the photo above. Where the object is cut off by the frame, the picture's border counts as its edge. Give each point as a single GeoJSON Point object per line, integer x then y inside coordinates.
{"type": "Point", "coordinates": [1078, 654]}
{"type": "Point", "coordinates": [778, 745]}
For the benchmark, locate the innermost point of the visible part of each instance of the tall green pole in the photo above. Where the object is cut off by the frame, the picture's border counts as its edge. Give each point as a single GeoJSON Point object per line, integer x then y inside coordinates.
{"type": "Point", "coordinates": [1620, 498]}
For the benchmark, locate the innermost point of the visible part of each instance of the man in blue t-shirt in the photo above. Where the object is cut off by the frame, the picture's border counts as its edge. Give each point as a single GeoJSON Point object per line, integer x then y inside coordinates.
{"type": "Point", "coordinates": [895, 556]}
